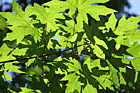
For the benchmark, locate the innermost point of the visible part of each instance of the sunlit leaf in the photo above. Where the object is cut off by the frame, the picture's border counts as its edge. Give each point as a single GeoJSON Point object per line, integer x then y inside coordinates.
{"type": "Point", "coordinates": [26, 90]}
{"type": "Point", "coordinates": [111, 22]}
{"type": "Point", "coordinates": [113, 74]}
{"type": "Point", "coordinates": [89, 88]}
{"type": "Point", "coordinates": [4, 51]}
{"type": "Point", "coordinates": [136, 64]}
{"type": "Point", "coordinates": [73, 83]}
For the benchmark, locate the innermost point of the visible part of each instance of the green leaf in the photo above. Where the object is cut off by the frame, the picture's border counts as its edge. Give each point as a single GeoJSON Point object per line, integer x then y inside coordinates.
{"type": "Point", "coordinates": [100, 42]}
{"type": "Point", "coordinates": [88, 64]}
{"type": "Point", "coordinates": [45, 15]}
{"type": "Point", "coordinates": [122, 80]}
{"type": "Point", "coordinates": [72, 27]}
{"type": "Point", "coordinates": [73, 38]}
{"type": "Point", "coordinates": [99, 53]}
{"type": "Point", "coordinates": [19, 52]}
{"type": "Point", "coordinates": [88, 32]}
{"type": "Point", "coordinates": [133, 35]}
{"type": "Point", "coordinates": [26, 90]}
{"type": "Point", "coordinates": [117, 46]}
{"type": "Point", "coordinates": [89, 89]}
{"type": "Point", "coordinates": [100, 10]}
{"type": "Point", "coordinates": [81, 48]}
{"type": "Point", "coordinates": [30, 61]}
{"type": "Point", "coordinates": [17, 8]}
{"type": "Point", "coordinates": [134, 50]}
{"type": "Point", "coordinates": [102, 47]}
{"type": "Point", "coordinates": [2, 23]}
{"type": "Point", "coordinates": [73, 83]}
{"type": "Point", "coordinates": [111, 22]}
{"type": "Point", "coordinates": [126, 61]}
{"type": "Point", "coordinates": [136, 76]}
{"type": "Point", "coordinates": [4, 51]}
{"type": "Point", "coordinates": [74, 65]}
{"type": "Point", "coordinates": [58, 59]}
{"type": "Point", "coordinates": [83, 7]}
{"type": "Point", "coordinates": [11, 44]}
{"type": "Point", "coordinates": [125, 25]}
{"type": "Point", "coordinates": [11, 68]}
{"type": "Point", "coordinates": [59, 71]}
{"type": "Point", "coordinates": [94, 63]}
{"type": "Point", "coordinates": [19, 31]}
{"type": "Point", "coordinates": [7, 77]}
{"type": "Point", "coordinates": [135, 63]}
{"type": "Point", "coordinates": [35, 71]}
{"type": "Point", "coordinates": [104, 81]}
{"type": "Point", "coordinates": [113, 74]}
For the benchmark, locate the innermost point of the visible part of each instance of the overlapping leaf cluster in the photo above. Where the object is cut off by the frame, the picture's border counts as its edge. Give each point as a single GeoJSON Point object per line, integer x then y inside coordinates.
{"type": "Point", "coordinates": [90, 55]}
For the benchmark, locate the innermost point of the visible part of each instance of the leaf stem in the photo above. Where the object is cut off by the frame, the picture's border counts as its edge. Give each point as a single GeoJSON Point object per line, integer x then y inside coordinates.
{"type": "Point", "coordinates": [31, 26]}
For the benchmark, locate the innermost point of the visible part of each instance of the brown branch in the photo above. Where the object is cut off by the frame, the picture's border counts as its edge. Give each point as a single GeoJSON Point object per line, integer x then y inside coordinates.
{"type": "Point", "coordinates": [38, 57]}
{"type": "Point", "coordinates": [80, 49]}
{"type": "Point", "coordinates": [9, 61]}
{"type": "Point", "coordinates": [83, 55]}
{"type": "Point", "coordinates": [51, 60]}
{"type": "Point", "coordinates": [45, 38]}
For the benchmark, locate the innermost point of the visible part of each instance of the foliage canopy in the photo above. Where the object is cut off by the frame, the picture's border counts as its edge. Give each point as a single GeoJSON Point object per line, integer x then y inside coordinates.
{"type": "Point", "coordinates": [89, 57]}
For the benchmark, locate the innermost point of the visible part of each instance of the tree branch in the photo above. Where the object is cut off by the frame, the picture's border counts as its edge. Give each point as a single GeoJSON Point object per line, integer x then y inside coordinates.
{"type": "Point", "coordinates": [80, 49]}
{"type": "Point", "coordinates": [38, 57]}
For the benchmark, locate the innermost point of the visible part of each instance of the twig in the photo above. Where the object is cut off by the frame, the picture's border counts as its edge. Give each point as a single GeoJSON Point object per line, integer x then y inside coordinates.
{"type": "Point", "coordinates": [38, 57]}
{"type": "Point", "coordinates": [80, 49]}
{"type": "Point", "coordinates": [44, 40]}
{"type": "Point", "coordinates": [83, 55]}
